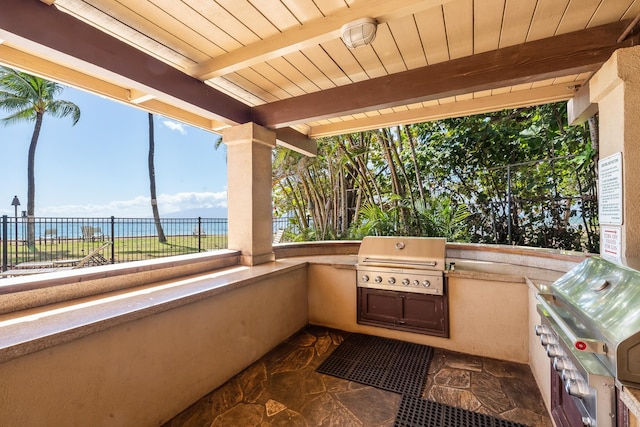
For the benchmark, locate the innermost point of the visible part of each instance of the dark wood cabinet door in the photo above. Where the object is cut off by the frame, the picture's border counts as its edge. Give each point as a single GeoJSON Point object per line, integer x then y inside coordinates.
{"type": "Point", "coordinates": [379, 306]}
{"type": "Point", "coordinates": [426, 312]}
{"type": "Point", "coordinates": [420, 313]}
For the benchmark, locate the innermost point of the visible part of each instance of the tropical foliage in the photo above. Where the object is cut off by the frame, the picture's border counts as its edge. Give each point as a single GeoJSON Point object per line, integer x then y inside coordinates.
{"type": "Point", "coordinates": [512, 177]}
{"type": "Point", "coordinates": [28, 98]}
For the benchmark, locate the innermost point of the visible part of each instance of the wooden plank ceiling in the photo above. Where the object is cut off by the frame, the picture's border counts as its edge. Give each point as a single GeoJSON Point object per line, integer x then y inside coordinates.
{"type": "Point", "coordinates": [282, 63]}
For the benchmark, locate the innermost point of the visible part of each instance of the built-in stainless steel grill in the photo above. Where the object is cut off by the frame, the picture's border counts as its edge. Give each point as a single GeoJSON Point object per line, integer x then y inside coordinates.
{"type": "Point", "coordinates": [591, 331]}
{"type": "Point", "coordinates": [408, 264]}
{"type": "Point", "coordinates": [401, 284]}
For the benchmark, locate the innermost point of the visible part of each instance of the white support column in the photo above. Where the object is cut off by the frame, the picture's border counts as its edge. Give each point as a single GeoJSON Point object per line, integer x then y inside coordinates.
{"type": "Point", "coordinates": [249, 149]}
{"type": "Point", "coordinates": [616, 89]}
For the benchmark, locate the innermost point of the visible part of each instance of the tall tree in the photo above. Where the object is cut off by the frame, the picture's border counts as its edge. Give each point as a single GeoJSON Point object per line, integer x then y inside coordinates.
{"type": "Point", "coordinates": [29, 98]}
{"type": "Point", "coordinates": [152, 182]}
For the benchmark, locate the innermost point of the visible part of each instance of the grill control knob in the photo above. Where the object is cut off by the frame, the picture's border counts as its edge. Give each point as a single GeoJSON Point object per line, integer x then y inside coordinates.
{"type": "Point", "coordinates": [365, 278]}
{"type": "Point", "coordinates": [405, 282]}
{"type": "Point", "coordinates": [416, 283]}
{"type": "Point", "coordinates": [576, 387]}
{"type": "Point", "coordinates": [554, 350]}
{"type": "Point", "coordinates": [546, 339]}
{"type": "Point", "coordinates": [542, 329]}
{"type": "Point", "coordinates": [569, 374]}
{"type": "Point", "coordinates": [378, 279]}
{"type": "Point", "coordinates": [426, 283]}
{"type": "Point", "coordinates": [561, 363]}
{"type": "Point", "coordinates": [391, 280]}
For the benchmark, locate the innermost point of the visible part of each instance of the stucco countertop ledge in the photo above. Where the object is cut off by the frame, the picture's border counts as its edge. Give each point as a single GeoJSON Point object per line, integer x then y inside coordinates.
{"type": "Point", "coordinates": [464, 268]}
{"type": "Point", "coordinates": [32, 330]}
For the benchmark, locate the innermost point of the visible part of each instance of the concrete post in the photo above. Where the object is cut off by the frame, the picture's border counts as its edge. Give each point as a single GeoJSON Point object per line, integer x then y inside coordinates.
{"type": "Point", "coordinates": [616, 89]}
{"type": "Point", "coordinates": [249, 150]}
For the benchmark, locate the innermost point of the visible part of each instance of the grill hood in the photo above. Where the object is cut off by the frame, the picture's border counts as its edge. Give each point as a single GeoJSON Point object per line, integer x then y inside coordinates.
{"type": "Point", "coordinates": [599, 301]}
{"type": "Point", "coordinates": [403, 252]}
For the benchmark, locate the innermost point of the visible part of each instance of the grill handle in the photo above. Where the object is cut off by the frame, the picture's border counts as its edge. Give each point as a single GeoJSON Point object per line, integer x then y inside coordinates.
{"type": "Point", "coordinates": [588, 345]}
{"type": "Point", "coordinates": [393, 261]}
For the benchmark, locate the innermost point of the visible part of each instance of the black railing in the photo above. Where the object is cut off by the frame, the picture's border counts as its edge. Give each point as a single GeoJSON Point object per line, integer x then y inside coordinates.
{"type": "Point", "coordinates": [39, 239]}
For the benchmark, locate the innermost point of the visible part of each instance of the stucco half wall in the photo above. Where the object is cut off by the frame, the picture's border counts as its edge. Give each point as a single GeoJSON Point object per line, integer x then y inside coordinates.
{"type": "Point", "coordinates": [487, 317]}
{"type": "Point", "coordinates": [143, 372]}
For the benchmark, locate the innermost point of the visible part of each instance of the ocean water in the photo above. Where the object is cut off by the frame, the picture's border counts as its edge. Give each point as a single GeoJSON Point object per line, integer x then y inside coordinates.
{"type": "Point", "coordinates": [72, 228]}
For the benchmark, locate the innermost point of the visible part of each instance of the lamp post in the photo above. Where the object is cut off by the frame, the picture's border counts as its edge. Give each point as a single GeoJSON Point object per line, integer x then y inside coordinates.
{"type": "Point", "coordinates": [15, 203]}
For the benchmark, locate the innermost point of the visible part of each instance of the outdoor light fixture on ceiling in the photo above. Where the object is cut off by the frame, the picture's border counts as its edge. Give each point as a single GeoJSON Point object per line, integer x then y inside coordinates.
{"type": "Point", "coordinates": [359, 33]}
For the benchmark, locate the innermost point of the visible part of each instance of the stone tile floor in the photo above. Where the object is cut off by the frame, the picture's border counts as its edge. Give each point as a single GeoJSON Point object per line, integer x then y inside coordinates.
{"type": "Point", "coordinates": [283, 389]}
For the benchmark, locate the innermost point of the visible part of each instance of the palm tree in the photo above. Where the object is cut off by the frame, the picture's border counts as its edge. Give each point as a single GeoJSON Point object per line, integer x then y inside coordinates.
{"type": "Point", "coordinates": [29, 98]}
{"type": "Point", "coordinates": [152, 183]}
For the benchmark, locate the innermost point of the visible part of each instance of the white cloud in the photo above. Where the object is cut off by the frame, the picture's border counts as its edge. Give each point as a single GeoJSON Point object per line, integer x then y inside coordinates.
{"type": "Point", "coordinates": [179, 127]}
{"type": "Point", "coordinates": [139, 207]}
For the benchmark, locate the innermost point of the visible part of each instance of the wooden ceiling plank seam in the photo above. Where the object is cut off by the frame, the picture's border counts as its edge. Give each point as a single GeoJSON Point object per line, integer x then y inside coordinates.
{"type": "Point", "coordinates": [610, 10]}
{"type": "Point", "coordinates": [481, 94]}
{"type": "Point", "coordinates": [516, 13]}
{"type": "Point", "coordinates": [464, 97]}
{"type": "Point", "coordinates": [312, 33]}
{"type": "Point", "coordinates": [157, 16]}
{"type": "Point", "coordinates": [303, 10]}
{"type": "Point", "coordinates": [227, 22]}
{"type": "Point", "coordinates": [300, 61]}
{"type": "Point", "coordinates": [457, 109]}
{"type": "Point", "coordinates": [523, 86]}
{"type": "Point", "coordinates": [487, 25]}
{"type": "Point", "coordinates": [404, 32]}
{"type": "Point", "coordinates": [578, 15]}
{"type": "Point", "coordinates": [173, 30]}
{"type": "Point", "coordinates": [260, 26]}
{"type": "Point", "coordinates": [369, 61]}
{"type": "Point", "coordinates": [278, 79]}
{"type": "Point", "coordinates": [542, 83]}
{"type": "Point", "coordinates": [546, 19]}
{"type": "Point", "coordinates": [630, 28]}
{"type": "Point", "coordinates": [256, 84]}
{"type": "Point", "coordinates": [387, 50]}
{"type": "Point", "coordinates": [293, 74]}
{"type": "Point", "coordinates": [561, 55]}
{"type": "Point", "coordinates": [126, 33]}
{"type": "Point", "coordinates": [568, 80]}
{"type": "Point", "coordinates": [276, 13]}
{"type": "Point", "coordinates": [501, 91]}
{"type": "Point", "coordinates": [433, 35]}
{"type": "Point", "coordinates": [45, 30]}
{"type": "Point", "coordinates": [344, 59]}
{"type": "Point", "coordinates": [202, 26]}
{"type": "Point", "coordinates": [458, 18]}
{"type": "Point", "coordinates": [323, 62]}
{"type": "Point", "coordinates": [328, 7]}
{"type": "Point", "coordinates": [633, 11]}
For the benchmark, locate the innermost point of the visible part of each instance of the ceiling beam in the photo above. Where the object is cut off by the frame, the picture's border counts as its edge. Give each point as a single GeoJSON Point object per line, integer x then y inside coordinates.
{"type": "Point", "coordinates": [309, 34]}
{"type": "Point", "coordinates": [558, 56]}
{"type": "Point", "coordinates": [53, 44]}
{"type": "Point", "coordinates": [48, 32]}
{"type": "Point", "coordinates": [580, 108]}
{"type": "Point", "coordinates": [521, 98]}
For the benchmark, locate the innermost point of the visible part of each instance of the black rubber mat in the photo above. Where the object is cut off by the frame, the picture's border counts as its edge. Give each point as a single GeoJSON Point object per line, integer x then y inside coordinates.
{"type": "Point", "coordinates": [388, 364]}
{"type": "Point", "coordinates": [416, 412]}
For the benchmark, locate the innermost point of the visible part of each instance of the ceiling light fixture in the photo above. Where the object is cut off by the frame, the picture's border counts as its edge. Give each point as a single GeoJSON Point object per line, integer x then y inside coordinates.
{"type": "Point", "coordinates": [360, 32]}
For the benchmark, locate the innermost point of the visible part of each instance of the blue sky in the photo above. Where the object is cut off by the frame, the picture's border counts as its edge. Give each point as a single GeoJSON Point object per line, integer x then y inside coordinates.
{"type": "Point", "coordinates": [98, 168]}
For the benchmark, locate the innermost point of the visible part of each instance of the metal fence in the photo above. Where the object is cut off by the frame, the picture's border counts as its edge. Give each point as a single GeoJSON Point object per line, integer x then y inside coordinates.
{"type": "Point", "coordinates": [37, 239]}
